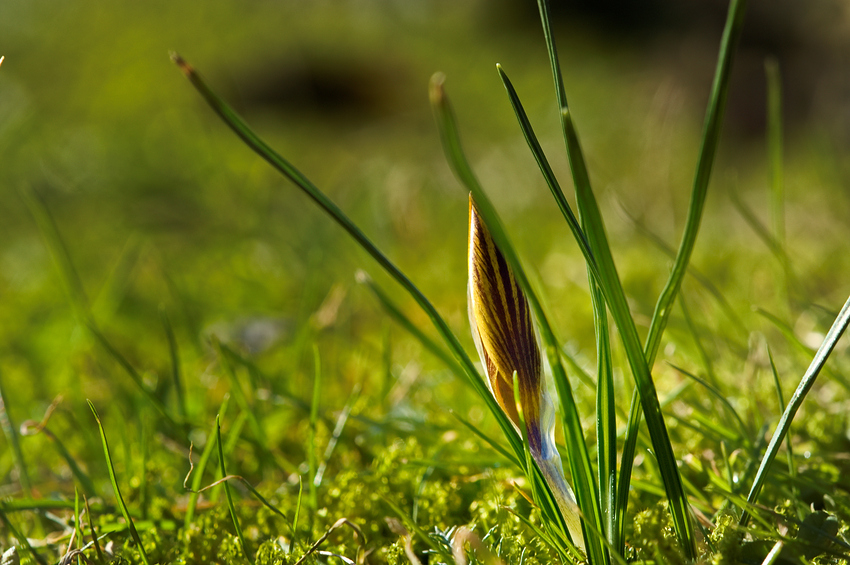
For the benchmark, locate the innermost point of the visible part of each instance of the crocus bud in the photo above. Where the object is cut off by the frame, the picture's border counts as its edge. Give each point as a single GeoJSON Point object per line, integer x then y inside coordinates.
{"type": "Point", "coordinates": [504, 336]}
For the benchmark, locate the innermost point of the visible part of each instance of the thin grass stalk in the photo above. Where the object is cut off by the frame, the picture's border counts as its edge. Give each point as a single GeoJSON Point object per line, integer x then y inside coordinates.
{"type": "Point", "coordinates": [113, 479]}
{"type": "Point", "coordinates": [12, 437]}
{"type": "Point", "coordinates": [312, 448]}
{"type": "Point", "coordinates": [78, 516]}
{"type": "Point", "coordinates": [789, 447]}
{"type": "Point", "coordinates": [230, 504]}
{"type": "Point", "coordinates": [708, 147]}
{"type": "Point", "coordinates": [578, 457]}
{"type": "Point", "coordinates": [174, 353]}
{"type": "Point", "coordinates": [200, 468]}
{"type": "Point", "coordinates": [289, 171]}
{"type": "Point", "coordinates": [95, 542]}
{"type": "Point", "coordinates": [794, 404]}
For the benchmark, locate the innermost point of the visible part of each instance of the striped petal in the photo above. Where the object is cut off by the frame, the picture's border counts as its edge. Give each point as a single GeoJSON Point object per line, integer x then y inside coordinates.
{"type": "Point", "coordinates": [501, 325]}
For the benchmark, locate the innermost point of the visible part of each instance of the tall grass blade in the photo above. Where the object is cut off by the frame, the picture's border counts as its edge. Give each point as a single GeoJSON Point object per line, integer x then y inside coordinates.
{"type": "Point", "coordinates": [230, 504]}
{"type": "Point", "coordinates": [579, 459]}
{"type": "Point", "coordinates": [288, 170]}
{"type": "Point", "coordinates": [611, 286]}
{"type": "Point", "coordinates": [121, 504]}
{"type": "Point", "coordinates": [796, 401]}
{"type": "Point", "coordinates": [606, 431]}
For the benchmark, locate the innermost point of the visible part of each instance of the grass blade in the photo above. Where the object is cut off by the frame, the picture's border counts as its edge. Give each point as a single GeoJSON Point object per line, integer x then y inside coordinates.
{"type": "Point", "coordinates": [11, 433]}
{"type": "Point", "coordinates": [312, 448]}
{"type": "Point", "coordinates": [25, 543]}
{"type": "Point", "coordinates": [579, 459]}
{"type": "Point", "coordinates": [124, 511]}
{"type": "Point", "coordinates": [796, 401]}
{"type": "Point", "coordinates": [201, 467]}
{"type": "Point", "coordinates": [230, 505]}
{"type": "Point", "coordinates": [175, 364]}
{"type": "Point", "coordinates": [609, 281]}
{"type": "Point", "coordinates": [789, 448]}
{"type": "Point", "coordinates": [284, 167]}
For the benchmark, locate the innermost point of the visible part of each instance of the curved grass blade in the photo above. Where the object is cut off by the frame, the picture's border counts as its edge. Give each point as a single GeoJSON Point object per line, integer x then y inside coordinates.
{"type": "Point", "coordinates": [808, 380]}
{"type": "Point", "coordinates": [121, 504]}
{"type": "Point", "coordinates": [230, 505]}
{"type": "Point", "coordinates": [284, 167]}
{"type": "Point", "coordinates": [579, 459]}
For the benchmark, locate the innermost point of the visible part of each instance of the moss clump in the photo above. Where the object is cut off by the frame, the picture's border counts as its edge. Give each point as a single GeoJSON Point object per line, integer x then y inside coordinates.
{"type": "Point", "coordinates": [654, 537]}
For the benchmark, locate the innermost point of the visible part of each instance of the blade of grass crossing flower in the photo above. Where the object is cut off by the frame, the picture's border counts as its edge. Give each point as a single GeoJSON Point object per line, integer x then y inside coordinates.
{"type": "Point", "coordinates": [539, 485]}
{"type": "Point", "coordinates": [579, 459]}
{"type": "Point", "coordinates": [112, 478]}
{"type": "Point", "coordinates": [288, 170]}
{"type": "Point", "coordinates": [230, 505]}
{"type": "Point", "coordinates": [796, 401]}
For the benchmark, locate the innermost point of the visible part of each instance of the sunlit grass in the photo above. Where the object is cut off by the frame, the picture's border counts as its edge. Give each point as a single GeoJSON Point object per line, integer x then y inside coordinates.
{"type": "Point", "coordinates": [192, 272]}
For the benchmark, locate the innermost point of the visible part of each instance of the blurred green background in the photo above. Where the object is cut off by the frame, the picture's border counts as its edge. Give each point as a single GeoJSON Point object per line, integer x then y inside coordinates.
{"type": "Point", "coordinates": [160, 205]}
